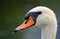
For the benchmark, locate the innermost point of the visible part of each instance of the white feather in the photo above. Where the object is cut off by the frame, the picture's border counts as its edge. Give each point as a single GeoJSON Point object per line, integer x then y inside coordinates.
{"type": "Point", "coordinates": [46, 21]}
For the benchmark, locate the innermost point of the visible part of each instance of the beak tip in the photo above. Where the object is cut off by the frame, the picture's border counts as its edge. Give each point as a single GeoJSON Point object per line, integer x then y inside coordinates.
{"type": "Point", "coordinates": [14, 31]}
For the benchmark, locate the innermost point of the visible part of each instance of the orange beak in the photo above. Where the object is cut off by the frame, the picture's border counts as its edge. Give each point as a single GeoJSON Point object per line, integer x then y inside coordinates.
{"type": "Point", "coordinates": [26, 24]}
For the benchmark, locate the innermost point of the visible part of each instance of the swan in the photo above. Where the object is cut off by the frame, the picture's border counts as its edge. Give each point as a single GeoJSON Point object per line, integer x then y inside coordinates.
{"type": "Point", "coordinates": [42, 17]}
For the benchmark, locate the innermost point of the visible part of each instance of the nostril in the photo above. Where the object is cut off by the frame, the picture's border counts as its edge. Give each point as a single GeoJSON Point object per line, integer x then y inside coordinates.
{"type": "Point", "coordinates": [26, 18]}
{"type": "Point", "coordinates": [26, 21]}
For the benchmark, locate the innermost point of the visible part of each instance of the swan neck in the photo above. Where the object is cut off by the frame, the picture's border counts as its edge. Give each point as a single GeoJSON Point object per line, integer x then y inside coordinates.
{"type": "Point", "coordinates": [49, 32]}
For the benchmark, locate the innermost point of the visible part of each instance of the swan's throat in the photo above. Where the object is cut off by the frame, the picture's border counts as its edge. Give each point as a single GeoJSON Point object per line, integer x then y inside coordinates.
{"type": "Point", "coordinates": [49, 32]}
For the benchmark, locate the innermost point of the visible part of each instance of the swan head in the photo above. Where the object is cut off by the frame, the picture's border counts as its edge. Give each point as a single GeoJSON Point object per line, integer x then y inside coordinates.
{"type": "Point", "coordinates": [39, 16]}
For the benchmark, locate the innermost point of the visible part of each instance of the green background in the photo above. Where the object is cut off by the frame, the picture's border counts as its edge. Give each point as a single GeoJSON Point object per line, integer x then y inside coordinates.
{"type": "Point", "coordinates": [13, 11]}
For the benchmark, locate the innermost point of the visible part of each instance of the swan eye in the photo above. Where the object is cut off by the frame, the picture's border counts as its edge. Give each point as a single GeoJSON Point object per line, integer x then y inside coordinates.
{"type": "Point", "coordinates": [39, 12]}
{"type": "Point", "coordinates": [33, 14]}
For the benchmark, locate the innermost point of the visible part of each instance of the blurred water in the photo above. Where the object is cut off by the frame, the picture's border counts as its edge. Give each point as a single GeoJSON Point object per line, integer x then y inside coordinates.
{"type": "Point", "coordinates": [32, 33]}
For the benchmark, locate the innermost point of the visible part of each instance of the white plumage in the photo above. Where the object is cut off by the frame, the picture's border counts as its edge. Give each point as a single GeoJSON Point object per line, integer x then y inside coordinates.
{"type": "Point", "coordinates": [46, 21]}
{"type": "Point", "coordinates": [43, 18]}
